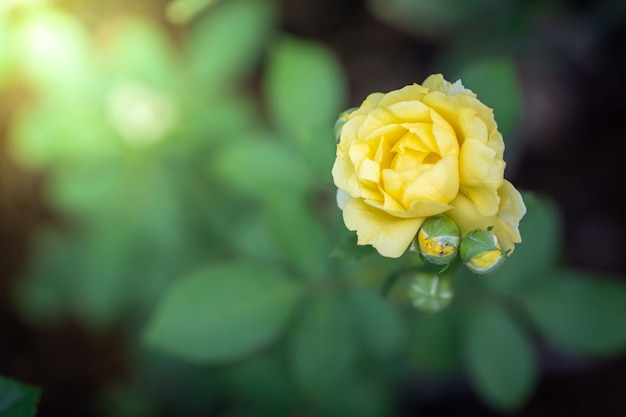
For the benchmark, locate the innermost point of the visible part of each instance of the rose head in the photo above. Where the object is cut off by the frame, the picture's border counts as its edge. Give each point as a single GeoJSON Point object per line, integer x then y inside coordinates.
{"type": "Point", "coordinates": [418, 152]}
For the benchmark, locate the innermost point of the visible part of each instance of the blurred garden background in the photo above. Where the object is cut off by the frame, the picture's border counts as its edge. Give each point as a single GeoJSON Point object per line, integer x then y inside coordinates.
{"type": "Point", "coordinates": [170, 243]}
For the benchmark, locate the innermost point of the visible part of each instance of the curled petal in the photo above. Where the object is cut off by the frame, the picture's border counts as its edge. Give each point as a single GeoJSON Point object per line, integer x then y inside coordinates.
{"type": "Point", "coordinates": [438, 184]}
{"type": "Point", "coordinates": [390, 235]}
{"type": "Point", "coordinates": [481, 175]}
{"type": "Point", "coordinates": [505, 223]}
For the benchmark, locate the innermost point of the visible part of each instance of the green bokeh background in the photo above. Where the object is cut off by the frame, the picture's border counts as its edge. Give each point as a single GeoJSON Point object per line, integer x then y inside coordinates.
{"type": "Point", "coordinates": [171, 245]}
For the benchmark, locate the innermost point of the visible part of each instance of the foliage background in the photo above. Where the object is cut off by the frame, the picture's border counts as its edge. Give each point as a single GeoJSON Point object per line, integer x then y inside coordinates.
{"type": "Point", "coordinates": [99, 222]}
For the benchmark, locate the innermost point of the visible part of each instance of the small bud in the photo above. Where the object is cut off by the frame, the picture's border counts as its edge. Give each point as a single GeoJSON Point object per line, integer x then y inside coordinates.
{"type": "Point", "coordinates": [482, 252]}
{"type": "Point", "coordinates": [437, 240]}
{"type": "Point", "coordinates": [430, 292]}
{"type": "Point", "coordinates": [341, 120]}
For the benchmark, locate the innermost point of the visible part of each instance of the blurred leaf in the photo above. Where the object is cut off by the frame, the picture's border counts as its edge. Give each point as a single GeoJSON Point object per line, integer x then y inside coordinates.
{"type": "Point", "coordinates": [378, 321]}
{"type": "Point", "coordinates": [53, 133]}
{"type": "Point", "coordinates": [261, 167]}
{"type": "Point", "coordinates": [298, 235]}
{"type": "Point", "coordinates": [420, 16]}
{"type": "Point", "coordinates": [435, 347]}
{"type": "Point", "coordinates": [499, 358]}
{"type": "Point", "coordinates": [263, 383]}
{"type": "Point", "coordinates": [207, 120]}
{"type": "Point", "coordinates": [579, 313]}
{"type": "Point", "coordinates": [324, 348]}
{"type": "Point", "coordinates": [443, 18]}
{"type": "Point", "coordinates": [182, 11]}
{"type": "Point", "coordinates": [226, 43]}
{"type": "Point", "coordinates": [45, 292]}
{"type": "Point", "coordinates": [222, 312]}
{"type": "Point", "coordinates": [496, 83]}
{"type": "Point", "coordinates": [81, 189]}
{"type": "Point", "coordinates": [304, 86]}
{"type": "Point", "coordinates": [538, 252]}
{"type": "Point", "coordinates": [139, 50]}
{"type": "Point", "coordinates": [17, 400]}
{"type": "Point", "coordinates": [251, 237]}
{"type": "Point", "coordinates": [347, 248]}
{"type": "Point", "coordinates": [362, 396]}
{"type": "Point", "coordinates": [100, 288]}
{"type": "Point", "coordinates": [318, 149]}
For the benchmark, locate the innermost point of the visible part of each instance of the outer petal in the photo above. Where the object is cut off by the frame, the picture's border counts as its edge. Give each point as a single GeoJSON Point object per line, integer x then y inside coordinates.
{"type": "Point", "coordinates": [342, 198]}
{"type": "Point", "coordinates": [369, 104]}
{"type": "Point", "coordinates": [467, 217]}
{"type": "Point", "coordinates": [512, 209]}
{"type": "Point", "coordinates": [436, 82]}
{"type": "Point", "coordinates": [481, 175]}
{"type": "Point", "coordinates": [505, 223]}
{"type": "Point", "coordinates": [344, 176]}
{"type": "Point", "coordinates": [390, 235]}
{"type": "Point", "coordinates": [407, 93]}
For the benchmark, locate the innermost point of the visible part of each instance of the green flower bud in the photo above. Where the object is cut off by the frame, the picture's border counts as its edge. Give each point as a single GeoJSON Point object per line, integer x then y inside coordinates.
{"type": "Point", "coordinates": [438, 240]}
{"type": "Point", "coordinates": [430, 292]}
{"type": "Point", "coordinates": [482, 252]}
{"type": "Point", "coordinates": [343, 118]}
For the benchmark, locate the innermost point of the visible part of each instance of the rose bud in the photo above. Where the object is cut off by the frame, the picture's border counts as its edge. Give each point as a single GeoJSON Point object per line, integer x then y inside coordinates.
{"type": "Point", "coordinates": [438, 240]}
{"type": "Point", "coordinates": [429, 292]}
{"type": "Point", "coordinates": [482, 252]}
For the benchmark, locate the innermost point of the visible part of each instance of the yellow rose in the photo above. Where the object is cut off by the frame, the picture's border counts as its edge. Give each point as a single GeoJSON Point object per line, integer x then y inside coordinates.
{"type": "Point", "coordinates": [417, 152]}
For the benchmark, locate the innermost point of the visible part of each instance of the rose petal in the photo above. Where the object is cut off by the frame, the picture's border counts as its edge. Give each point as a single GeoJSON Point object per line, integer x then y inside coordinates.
{"type": "Point", "coordinates": [505, 223]}
{"type": "Point", "coordinates": [472, 126]}
{"type": "Point", "coordinates": [390, 235]}
{"type": "Point", "coordinates": [370, 103]}
{"type": "Point", "coordinates": [344, 176]}
{"type": "Point", "coordinates": [369, 171]}
{"type": "Point", "coordinates": [481, 175]}
{"type": "Point", "coordinates": [434, 82]}
{"type": "Point", "coordinates": [445, 135]}
{"type": "Point", "coordinates": [410, 111]}
{"type": "Point", "coordinates": [407, 93]}
{"type": "Point", "coordinates": [438, 184]}
{"type": "Point", "coordinates": [512, 209]}
{"type": "Point", "coordinates": [342, 198]}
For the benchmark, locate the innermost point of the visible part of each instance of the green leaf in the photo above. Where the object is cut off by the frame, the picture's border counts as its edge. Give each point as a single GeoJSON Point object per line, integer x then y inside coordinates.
{"type": "Point", "coordinates": [580, 313]}
{"type": "Point", "coordinates": [17, 399]}
{"type": "Point", "coordinates": [304, 86]}
{"type": "Point", "coordinates": [435, 347]}
{"type": "Point", "coordinates": [43, 293]}
{"type": "Point", "coordinates": [319, 149]}
{"type": "Point", "coordinates": [378, 322]}
{"type": "Point", "coordinates": [139, 50]}
{"type": "Point", "coordinates": [222, 312]}
{"type": "Point", "coordinates": [323, 348]}
{"type": "Point", "coordinates": [496, 83]}
{"type": "Point", "coordinates": [226, 43]}
{"type": "Point", "coordinates": [424, 17]}
{"type": "Point", "coordinates": [262, 383]}
{"type": "Point", "coordinates": [261, 167]}
{"type": "Point", "coordinates": [298, 235]}
{"type": "Point", "coordinates": [499, 358]}
{"type": "Point", "coordinates": [52, 133]}
{"type": "Point", "coordinates": [538, 252]}
{"type": "Point", "coordinates": [363, 396]}
{"type": "Point", "coordinates": [347, 248]}
{"type": "Point", "coordinates": [182, 11]}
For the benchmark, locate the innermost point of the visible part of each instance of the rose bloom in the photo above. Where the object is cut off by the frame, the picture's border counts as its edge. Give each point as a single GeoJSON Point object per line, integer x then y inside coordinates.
{"type": "Point", "coordinates": [417, 152]}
